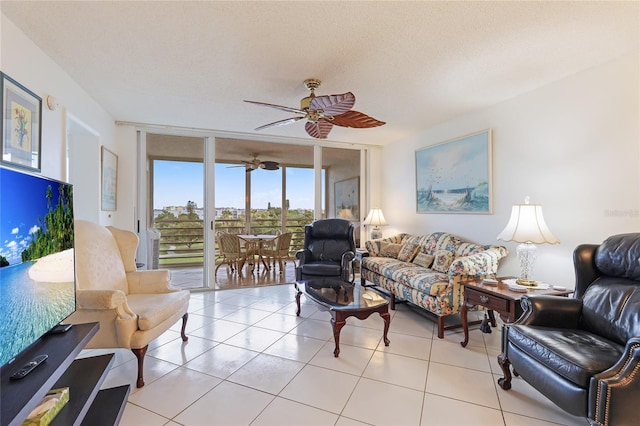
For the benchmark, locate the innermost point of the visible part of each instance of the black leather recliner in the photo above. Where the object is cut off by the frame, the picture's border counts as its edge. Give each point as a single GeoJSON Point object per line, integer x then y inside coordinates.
{"type": "Point", "coordinates": [329, 250]}
{"type": "Point", "coordinates": [583, 353]}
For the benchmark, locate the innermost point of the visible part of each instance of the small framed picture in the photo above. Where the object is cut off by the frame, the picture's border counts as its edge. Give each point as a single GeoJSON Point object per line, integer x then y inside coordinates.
{"type": "Point", "coordinates": [21, 124]}
{"type": "Point", "coordinates": [109, 180]}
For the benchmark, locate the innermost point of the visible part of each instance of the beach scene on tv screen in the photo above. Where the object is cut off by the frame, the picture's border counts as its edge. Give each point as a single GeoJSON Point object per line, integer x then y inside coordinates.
{"type": "Point", "coordinates": [37, 289]}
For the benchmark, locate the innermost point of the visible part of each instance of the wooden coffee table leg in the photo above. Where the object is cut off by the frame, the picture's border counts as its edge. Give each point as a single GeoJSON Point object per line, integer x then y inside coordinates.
{"type": "Point", "coordinates": [465, 324]}
{"type": "Point", "coordinates": [387, 320]}
{"type": "Point", "coordinates": [337, 322]}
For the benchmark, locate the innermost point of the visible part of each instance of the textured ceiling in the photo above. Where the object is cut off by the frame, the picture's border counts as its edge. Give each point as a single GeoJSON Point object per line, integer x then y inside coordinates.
{"type": "Point", "coordinates": [411, 64]}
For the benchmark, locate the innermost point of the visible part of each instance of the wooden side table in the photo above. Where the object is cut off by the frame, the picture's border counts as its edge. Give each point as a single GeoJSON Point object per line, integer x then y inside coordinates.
{"type": "Point", "coordinates": [497, 298]}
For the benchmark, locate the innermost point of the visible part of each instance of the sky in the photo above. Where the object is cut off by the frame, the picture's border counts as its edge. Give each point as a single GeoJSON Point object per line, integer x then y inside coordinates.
{"type": "Point", "coordinates": [22, 202]}
{"type": "Point", "coordinates": [177, 182]}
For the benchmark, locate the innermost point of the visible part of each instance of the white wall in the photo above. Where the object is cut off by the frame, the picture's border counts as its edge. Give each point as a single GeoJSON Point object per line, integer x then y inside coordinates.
{"type": "Point", "coordinates": [573, 146]}
{"type": "Point", "coordinates": [22, 60]}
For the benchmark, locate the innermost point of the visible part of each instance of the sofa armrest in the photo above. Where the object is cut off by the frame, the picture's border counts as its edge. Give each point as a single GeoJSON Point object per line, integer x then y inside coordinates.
{"type": "Point", "coordinates": [373, 246]}
{"type": "Point", "coordinates": [550, 311]}
{"type": "Point", "coordinates": [613, 394]}
{"type": "Point", "coordinates": [477, 266]}
{"type": "Point", "coordinates": [152, 281]}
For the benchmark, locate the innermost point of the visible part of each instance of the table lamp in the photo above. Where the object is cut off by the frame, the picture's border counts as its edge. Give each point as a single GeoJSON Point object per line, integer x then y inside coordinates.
{"type": "Point", "coordinates": [346, 214]}
{"type": "Point", "coordinates": [526, 226]}
{"type": "Point", "coordinates": [375, 218]}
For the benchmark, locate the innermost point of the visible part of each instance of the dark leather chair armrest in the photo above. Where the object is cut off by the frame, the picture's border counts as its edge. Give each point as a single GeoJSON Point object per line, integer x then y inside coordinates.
{"type": "Point", "coordinates": [613, 394]}
{"type": "Point", "coordinates": [346, 265]}
{"type": "Point", "coordinates": [550, 311]}
{"type": "Point", "coordinates": [347, 257]}
{"type": "Point", "coordinates": [301, 256]}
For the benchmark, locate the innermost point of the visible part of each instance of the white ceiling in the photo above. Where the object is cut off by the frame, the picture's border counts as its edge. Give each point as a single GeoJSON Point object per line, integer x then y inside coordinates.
{"type": "Point", "coordinates": [411, 64]}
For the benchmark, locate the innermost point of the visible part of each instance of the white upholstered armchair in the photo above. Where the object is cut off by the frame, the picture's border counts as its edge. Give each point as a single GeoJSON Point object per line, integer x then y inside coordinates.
{"type": "Point", "coordinates": [133, 307]}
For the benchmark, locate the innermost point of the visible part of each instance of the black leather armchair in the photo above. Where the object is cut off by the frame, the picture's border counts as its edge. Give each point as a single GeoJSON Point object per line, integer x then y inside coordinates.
{"type": "Point", "coordinates": [583, 353]}
{"type": "Point", "coordinates": [329, 250]}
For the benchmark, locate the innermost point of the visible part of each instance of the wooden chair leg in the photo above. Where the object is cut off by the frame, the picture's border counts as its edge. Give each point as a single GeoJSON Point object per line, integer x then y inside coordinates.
{"type": "Point", "coordinates": [185, 317]}
{"type": "Point", "coordinates": [140, 353]}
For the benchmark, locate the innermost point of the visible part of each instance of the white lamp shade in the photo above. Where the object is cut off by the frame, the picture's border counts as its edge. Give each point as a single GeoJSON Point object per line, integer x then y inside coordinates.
{"type": "Point", "coordinates": [375, 218]}
{"type": "Point", "coordinates": [527, 225]}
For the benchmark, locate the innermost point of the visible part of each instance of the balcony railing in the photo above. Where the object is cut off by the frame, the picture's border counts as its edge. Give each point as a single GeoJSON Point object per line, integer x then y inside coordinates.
{"type": "Point", "coordinates": [182, 240]}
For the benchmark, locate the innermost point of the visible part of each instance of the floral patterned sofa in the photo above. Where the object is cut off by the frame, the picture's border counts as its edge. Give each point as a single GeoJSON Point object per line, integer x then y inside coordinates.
{"type": "Point", "coordinates": [427, 270]}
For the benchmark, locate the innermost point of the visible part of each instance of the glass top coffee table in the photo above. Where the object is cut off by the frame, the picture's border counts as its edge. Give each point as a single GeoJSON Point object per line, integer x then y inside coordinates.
{"type": "Point", "coordinates": [342, 300]}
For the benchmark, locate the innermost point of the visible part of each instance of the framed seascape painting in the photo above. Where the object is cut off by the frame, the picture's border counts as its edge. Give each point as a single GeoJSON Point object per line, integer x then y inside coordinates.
{"type": "Point", "coordinates": [21, 124]}
{"type": "Point", "coordinates": [455, 176]}
{"type": "Point", "coordinates": [347, 199]}
{"type": "Point", "coordinates": [109, 180]}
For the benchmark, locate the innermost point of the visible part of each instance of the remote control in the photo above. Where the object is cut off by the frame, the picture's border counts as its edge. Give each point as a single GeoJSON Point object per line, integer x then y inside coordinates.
{"type": "Point", "coordinates": [28, 367]}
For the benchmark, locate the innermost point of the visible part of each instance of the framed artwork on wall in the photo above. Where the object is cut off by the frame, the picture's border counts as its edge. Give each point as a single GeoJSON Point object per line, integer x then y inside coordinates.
{"type": "Point", "coordinates": [347, 199]}
{"type": "Point", "coordinates": [455, 176]}
{"type": "Point", "coordinates": [109, 180]}
{"type": "Point", "coordinates": [21, 124]}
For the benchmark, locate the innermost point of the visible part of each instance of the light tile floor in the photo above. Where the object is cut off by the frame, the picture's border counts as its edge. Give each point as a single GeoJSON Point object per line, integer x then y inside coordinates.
{"type": "Point", "coordinates": [250, 361]}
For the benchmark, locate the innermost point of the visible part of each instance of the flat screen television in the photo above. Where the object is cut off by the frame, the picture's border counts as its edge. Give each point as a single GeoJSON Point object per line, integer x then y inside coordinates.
{"type": "Point", "coordinates": [37, 268]}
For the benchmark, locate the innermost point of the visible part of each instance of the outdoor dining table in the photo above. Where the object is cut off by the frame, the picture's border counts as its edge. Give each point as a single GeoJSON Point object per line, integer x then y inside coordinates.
{"type": "Point", "coordinates": [253, 247]}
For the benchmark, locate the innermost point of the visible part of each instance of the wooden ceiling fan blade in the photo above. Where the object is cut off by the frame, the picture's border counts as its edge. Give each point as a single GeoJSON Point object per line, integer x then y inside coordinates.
{"type": "Point", "coordinates": [356, 119]}
{"type": "Point", "coordinates": [279, 123]}
{"type": "Point", "coordinates": [333, 104]}
{"type": "Point", "coordinates": [280, 107]}
{"type": "Point", "coordinates": [319, 130]}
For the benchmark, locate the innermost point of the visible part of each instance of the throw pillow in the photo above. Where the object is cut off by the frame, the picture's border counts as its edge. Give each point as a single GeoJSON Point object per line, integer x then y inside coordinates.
{"type": "Point", "coordinates": [442, 261]}
{"type": "Point", "coordinates": [390, 249]}
{"type": "Point", "coordinates": [408, 252]}
{"type": "Point", "coordinates": [423, 259]}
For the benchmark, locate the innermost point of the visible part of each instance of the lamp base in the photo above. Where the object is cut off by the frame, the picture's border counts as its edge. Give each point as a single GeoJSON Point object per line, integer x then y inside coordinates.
{"type": "Point", "coordinates": [376, 234]}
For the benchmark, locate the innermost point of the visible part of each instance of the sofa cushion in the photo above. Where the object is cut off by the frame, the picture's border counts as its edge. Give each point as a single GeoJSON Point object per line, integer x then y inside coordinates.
{"type": "Point", "coordinates": [321, 268]}
{"type": "Point", "coordinates": [442, 261]}
{"type": "Point", "coordinates": [576, 355]}
{"type": "Point", "coordinates": [408, 252]}
{"type": "Point", "coordinates": [390, 249]}
{"type": "Point", "coordinates": [423, 259]}
{"type": "Point", "coordinates": [408, 274]}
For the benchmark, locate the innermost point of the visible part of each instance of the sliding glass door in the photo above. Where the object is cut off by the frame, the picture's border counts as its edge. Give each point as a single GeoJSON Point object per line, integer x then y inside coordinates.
{"type": "Point", "coordinates": [176, 237]}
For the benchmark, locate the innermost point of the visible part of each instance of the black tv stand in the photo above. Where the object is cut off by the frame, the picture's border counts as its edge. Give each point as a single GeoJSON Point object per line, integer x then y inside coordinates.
{"type": "Point", "coordinates": [87, 404]}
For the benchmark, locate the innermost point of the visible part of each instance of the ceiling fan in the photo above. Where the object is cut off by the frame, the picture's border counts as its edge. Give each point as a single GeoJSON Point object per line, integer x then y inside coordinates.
{"type": "Point", "coordinates": [323, 112]}
{"type": "Point", "coordinates": [257, 164]}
